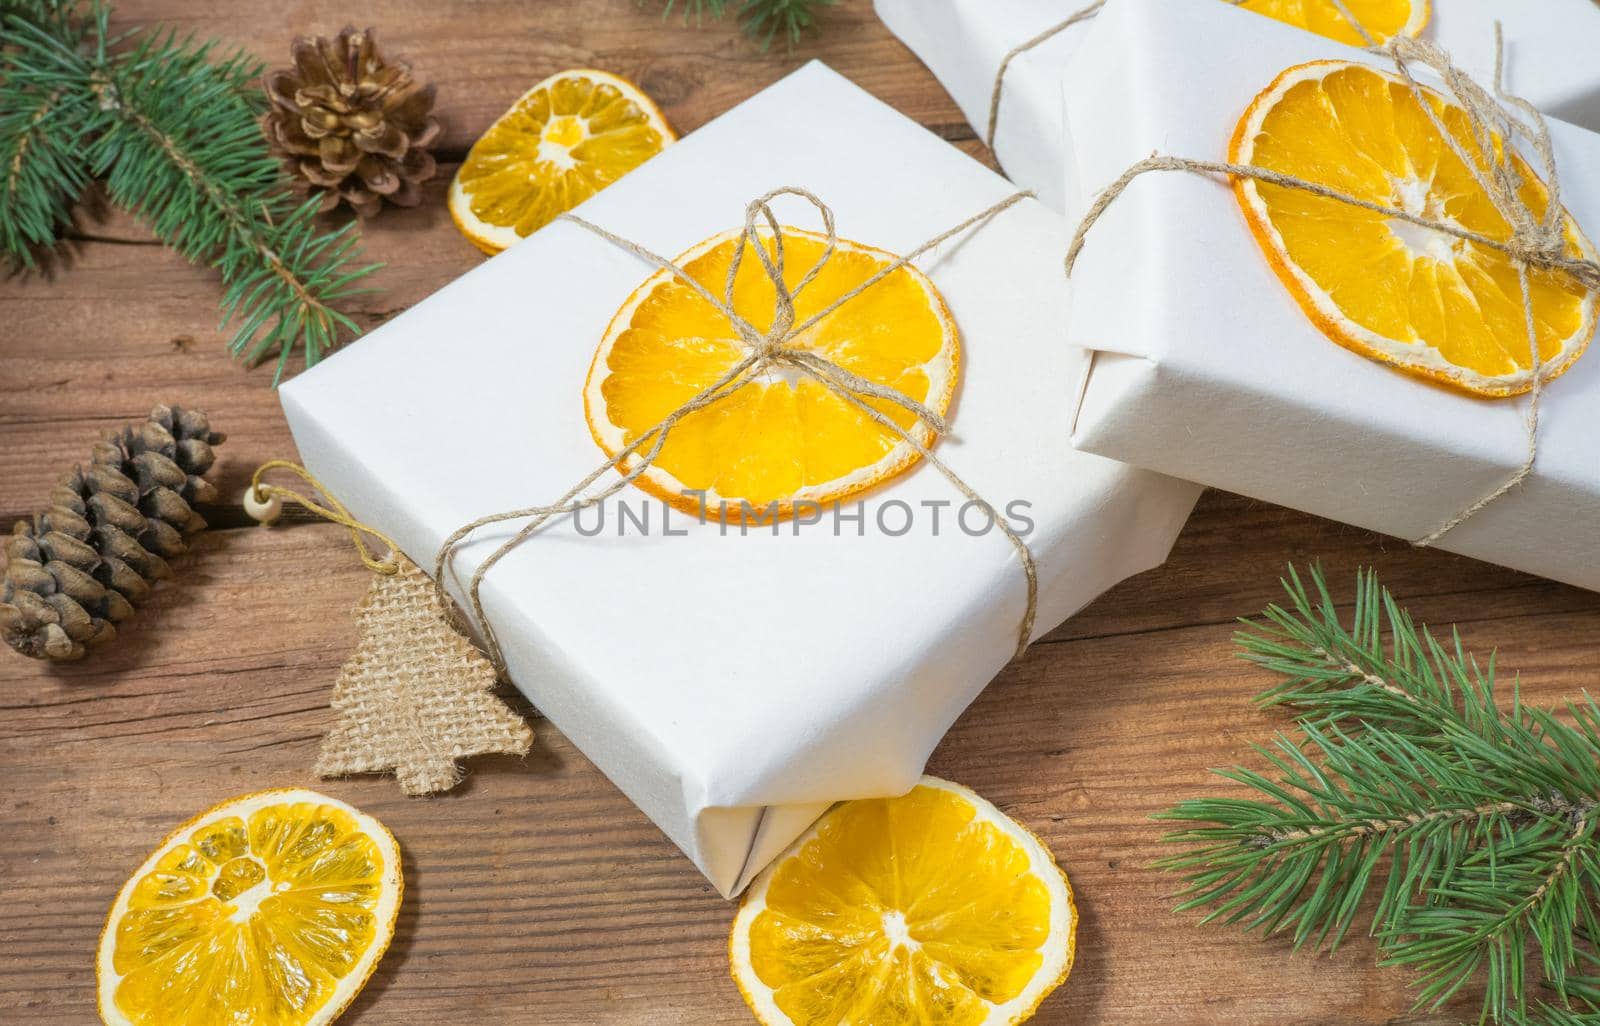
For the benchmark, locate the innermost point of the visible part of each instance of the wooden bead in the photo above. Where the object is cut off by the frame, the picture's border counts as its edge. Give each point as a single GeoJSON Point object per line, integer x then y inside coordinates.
{"type": "Point", "coordinates": [265, 512]}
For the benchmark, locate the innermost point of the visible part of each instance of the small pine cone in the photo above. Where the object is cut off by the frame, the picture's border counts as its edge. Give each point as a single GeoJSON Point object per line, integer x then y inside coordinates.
{"type": "Point", "coordinates": [77, 568]}
{"type": "Point", "coordinates": [351, 125]}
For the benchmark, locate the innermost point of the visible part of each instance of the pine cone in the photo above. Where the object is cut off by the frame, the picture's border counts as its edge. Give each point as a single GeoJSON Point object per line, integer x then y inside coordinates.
{"type": "Point", "coordinates": [78, 567]}
{"type": "Point", "coordinates": [352, 125]}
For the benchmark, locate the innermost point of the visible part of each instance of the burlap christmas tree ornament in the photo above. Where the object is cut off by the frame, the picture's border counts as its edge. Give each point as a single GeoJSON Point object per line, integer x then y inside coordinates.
{"type": "Point", "coordinates": [416, 696]}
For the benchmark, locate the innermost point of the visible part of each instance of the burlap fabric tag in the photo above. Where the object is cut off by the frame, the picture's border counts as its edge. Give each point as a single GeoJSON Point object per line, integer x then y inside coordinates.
{"type": "Point", "coordinates": [416, 695]}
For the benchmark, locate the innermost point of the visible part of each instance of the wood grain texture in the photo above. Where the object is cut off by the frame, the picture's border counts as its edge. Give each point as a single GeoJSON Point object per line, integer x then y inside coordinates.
{"type": "Point", "coordinates": [536, 892]}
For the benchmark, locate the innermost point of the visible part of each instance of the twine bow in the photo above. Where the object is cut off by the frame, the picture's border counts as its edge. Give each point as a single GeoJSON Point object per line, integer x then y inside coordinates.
{"type": "Point", "coordinates": [764, 350]}
{"type": "Point", "coordinates": [1496, 122]}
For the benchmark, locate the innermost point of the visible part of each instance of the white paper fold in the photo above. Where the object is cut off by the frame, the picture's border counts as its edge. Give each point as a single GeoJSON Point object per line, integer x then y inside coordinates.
{"type": "Point", "coordinates": [734, 686]}
{"type": "Point", "coordinates": [1549, 61]}
{"type": "Point", "coordinates": [1205, 365]}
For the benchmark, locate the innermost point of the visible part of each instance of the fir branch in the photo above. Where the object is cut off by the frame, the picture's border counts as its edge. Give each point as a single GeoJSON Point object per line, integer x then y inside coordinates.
{"type": "Point", "coordinates": [763, 20]}
{"type": "Point", "coordinates": [1471, 832]}
{"type": "Point", "coordinates": [1347, 676]}
{"type": "Point", "coordinates": [37, 10]}
{"type": "Point", "coordinates": [42, 173]}
{"type": "Point", "coordinates": [174, 132]}
{"type": "Point", "coordinates": [41, 179]}
{"type": "Point", "coordinates": [185, 152]}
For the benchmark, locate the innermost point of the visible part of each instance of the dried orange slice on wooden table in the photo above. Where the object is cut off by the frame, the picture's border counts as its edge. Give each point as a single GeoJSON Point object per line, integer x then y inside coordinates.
{"type": "Point", "coordinates": [1382, 19]}
{"type": "Point", "coordinates": [271, 909]}
{"type": "Point", "coordinates": [566, 139]}
{"type": "Point", "coordinates": [931, 909]}
{"type": "Point", "coordinates": [781, 438]}
{"type": "Point", "coordinates": [1422, 300]}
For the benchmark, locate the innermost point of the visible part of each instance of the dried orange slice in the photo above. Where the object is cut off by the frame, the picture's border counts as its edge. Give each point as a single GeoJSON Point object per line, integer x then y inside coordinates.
{"type": "Point", "coordinates": [1420, 299]}
{"type": "Point", "coordinates": [931, 909]}
{"type": "Point", "coordinates": [1383, 19]}
{"type": "Point", "coordinates": [781, 438]}
{"type": "Point", "coordinates": [566, 139]}
{"type": "Point", "coordinates": [271, 909]}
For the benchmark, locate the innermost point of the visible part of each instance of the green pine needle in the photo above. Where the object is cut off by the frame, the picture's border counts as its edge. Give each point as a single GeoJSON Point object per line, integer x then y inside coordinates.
{"type": "Point", "coordinates": [41, 172]}
{"type": "Point", "coordinates": [1467, 835]}
{"type": "Point", "coordinates": [1556, 1015]}
{"type": "Point", "coordinates": [763, 20]}
{"type": "Point", "coordinates": [173, 129]}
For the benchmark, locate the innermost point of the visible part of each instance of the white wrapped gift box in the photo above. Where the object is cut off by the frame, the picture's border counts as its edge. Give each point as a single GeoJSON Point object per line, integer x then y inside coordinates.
{"type": "Point", "coordinates": [733, 686]}
{"type": "Point", "coordinates": [1549, 61]}
{"type": "Point", "coordinates": [1206, 366]}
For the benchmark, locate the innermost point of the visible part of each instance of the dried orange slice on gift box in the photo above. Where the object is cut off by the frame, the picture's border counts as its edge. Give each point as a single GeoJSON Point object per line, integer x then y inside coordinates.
{"type": "Point", "coordinates": [271, 909]}
{"type": "Point", "coordinates": [1425, 301]}
{"type": "Point", "coordinates": [782, 437]}
{"type": "Point", "coordinates": [1382, 19]}
{"type": "Point", "coordinates": [931, 909]}
{"type": "Point", "coordinates": [566, 139]}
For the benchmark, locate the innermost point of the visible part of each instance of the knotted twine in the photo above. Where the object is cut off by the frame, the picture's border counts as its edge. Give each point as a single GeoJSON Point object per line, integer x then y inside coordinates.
{"type": "Point", "coordinates": [330, 509]}
{"type": "Point", "coordinates": [773, 348]}
{"type": "Point", "coordinates": [1536, 240]}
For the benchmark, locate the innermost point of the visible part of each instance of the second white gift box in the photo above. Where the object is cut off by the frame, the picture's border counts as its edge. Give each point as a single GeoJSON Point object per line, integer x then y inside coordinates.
{"type": "Point", "coordinates": [1205, 364]}
{"type": "Point", "coordinates": [734, 684]}
{"type": "Point", "coordinates": [1549, 61]}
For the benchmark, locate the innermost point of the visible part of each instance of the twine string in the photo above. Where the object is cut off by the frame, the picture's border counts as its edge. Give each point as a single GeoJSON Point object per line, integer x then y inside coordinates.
{"type": "Point", "coordinates": [328, 509]}
{"type": "Point", "coordinates": [1022, 48]}
{"type": "Point", "coordinates": [775, 347]}
{"type": "Point", "coordinates": [1493, 121]}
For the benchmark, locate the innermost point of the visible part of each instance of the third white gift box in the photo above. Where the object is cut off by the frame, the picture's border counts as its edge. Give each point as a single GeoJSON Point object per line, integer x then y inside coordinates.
{"type": "Point", "coordinates": [1549, 61]}
{"type": "Point", "coordinates": [1204, 365]}
{"type": "Point", "coordinates": [733, 683]}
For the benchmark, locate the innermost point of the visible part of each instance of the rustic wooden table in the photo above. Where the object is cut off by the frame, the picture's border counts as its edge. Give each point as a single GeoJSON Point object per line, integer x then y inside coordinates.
{"type": "Point", "coordinates": [536, 893]}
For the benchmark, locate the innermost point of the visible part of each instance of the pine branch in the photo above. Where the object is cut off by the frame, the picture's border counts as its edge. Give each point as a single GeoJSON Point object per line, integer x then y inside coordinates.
{"type": "Point", "coordinates": [42, 173]}
{"type": "Point", "coordinates": [41, 180]}
{"type": "Point", "coordinates": [185, 152]}
{"type": "Point", "coordinates": [1347, 676]}
{"type": "Point", "coordinates": [174, 132]}
{"type": "Point", "coordinates": [36, 9]}
{"type": "Point", "coordinates": [761, 19]}
{"type": "Point", "coordinates": [1471, 833]}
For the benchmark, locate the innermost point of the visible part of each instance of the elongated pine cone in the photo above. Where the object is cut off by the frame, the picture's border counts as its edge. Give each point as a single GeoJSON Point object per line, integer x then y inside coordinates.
{"type": "Point", "coordinates": [77, 568]}
{"type": "Point", "coordinates": [350, 124]}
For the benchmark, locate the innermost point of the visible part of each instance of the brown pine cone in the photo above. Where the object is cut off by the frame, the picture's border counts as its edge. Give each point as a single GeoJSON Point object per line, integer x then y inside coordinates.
{"type": "Point", "coordinates": [352, 125]}
{"type": "Point", "coordinates": [78, 567]}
